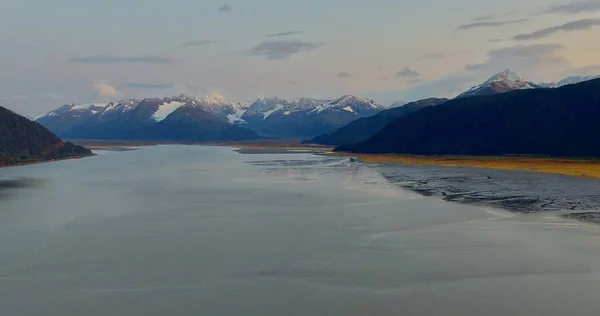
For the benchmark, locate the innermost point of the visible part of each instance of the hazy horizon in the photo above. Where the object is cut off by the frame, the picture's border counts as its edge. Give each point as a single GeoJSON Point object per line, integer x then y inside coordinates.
{"type": "Point", "coordinates": [67, 51]}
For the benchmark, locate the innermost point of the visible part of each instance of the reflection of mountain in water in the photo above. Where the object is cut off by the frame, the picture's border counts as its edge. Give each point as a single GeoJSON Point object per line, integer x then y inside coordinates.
{"type": "Point", "coordinates": [515, 191]}
{"type": "Point", "coordinates": [9, 185]}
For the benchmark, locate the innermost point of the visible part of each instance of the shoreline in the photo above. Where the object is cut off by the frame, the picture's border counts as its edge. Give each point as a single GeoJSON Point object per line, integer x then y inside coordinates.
{"type": "Point", "coordinates": [36, 162]}
{"type": "Point", "coordinates": [562, 166]}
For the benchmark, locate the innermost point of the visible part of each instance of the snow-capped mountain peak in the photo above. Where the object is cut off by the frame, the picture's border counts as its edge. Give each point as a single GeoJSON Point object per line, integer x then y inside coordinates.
{"type": "Point", "coordinates": [506, 75]}
{"type": "Point", "coordinates": [266, 105]}
{"type": "Point", "coordinates": [349, 103]}
{"type": "Point", "coordinates": [215, 99]}
{"type": "Point", "coordinates": [501, 82]}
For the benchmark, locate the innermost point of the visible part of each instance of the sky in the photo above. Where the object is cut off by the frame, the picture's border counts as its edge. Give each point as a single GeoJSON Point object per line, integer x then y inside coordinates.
{"type": "Point", "coordinates": [82, 51]}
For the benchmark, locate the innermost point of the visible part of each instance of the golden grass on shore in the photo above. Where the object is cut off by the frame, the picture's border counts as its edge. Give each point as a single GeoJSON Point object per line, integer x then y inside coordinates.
{"type": "Point", "coordinates": [570, 167]}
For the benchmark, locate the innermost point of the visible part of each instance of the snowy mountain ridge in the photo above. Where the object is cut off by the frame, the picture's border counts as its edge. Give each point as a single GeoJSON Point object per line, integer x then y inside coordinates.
{"type": "Point", "coordinates": [508, 80]}
{"type": "Point", "coordinates": [567, 81]}
{"type": "Point", "coordinates": [504, 81]}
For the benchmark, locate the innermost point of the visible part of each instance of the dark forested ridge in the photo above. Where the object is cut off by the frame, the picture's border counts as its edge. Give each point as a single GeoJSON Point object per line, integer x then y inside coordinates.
{"type": "Point", "coordinates": [22, 140]}
{"type": "Point", "coordinates": [559, 122]}
{"type": "Point", "coordinates": [363, 128]}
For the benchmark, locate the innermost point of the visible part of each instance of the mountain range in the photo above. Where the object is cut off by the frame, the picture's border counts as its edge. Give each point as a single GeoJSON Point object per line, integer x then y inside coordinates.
{"type": "Point", "coordinates": [305, 117]}
{"type": "Point", "coordinates": [560, 121]}
{"type": "Point", "coordinates": [180, 118]}
{"type": "Point", "coordinates": [25, 141]}
{"type": "Point", "coordinates": [213, 118]}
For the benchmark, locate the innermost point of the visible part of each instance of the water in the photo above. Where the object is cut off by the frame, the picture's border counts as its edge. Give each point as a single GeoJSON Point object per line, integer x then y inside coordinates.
{"type": "Point", "coordinates": [187, 230]}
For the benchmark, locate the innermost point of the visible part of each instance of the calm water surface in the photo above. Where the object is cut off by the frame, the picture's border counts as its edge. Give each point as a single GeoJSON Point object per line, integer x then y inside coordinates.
{"type": "Point", "coordinates": [185, 230]}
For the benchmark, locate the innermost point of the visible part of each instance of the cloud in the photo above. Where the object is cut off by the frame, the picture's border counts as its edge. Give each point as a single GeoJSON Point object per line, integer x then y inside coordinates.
{"type": "Point", "coordinates": [448, 86]}
{"type": "Point", "coordinates": [142, 85]}
{"type": "Point", "coordinates": [292, 82]}
{"type": "Point", "coordinates": [528, 59]}
{"type": "Point", "coordinates": [469, 26]}
{"type": "Point", "coordinates": [415, 81]}
{"type": "Point", "coordinates": [407, 73]}
{"type": "Point", "coordinates": [100, 59]}
{"type": "Point", "coordinates": [592, 70]}
{"type": "Point", "coordinates": [18, 97]}
{"type": "Point", "coordinates": [343, 75]}
{"type": "Point", "coordinates": [51, 95]}
{"type": "Point", "coordinates": [22, 97]}
{"type": "Point", "coordinates": [483, 18]}
{"type": "Point", "coordinates": [103, 89]}
{"type": "Point", "coordinates": [496, 40]}
{"type": "Point", "coordinates": [272, 50]}
{"type": "Point", "coordinates": [288, 33]}
{"type": "Point", "coordinates": [199, 43]}
{"type": "Point", "coordinates": [575, 7]}
{"type": "Point", "coordinates": [225, 8]}
{"type": "Point", "coordinates": [579, 25]}
{"type": "Point", "coordinates": [432, 56]}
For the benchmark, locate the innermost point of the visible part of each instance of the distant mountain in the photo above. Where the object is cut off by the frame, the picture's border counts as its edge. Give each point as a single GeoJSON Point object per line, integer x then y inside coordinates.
{"type": "Point", "coordinates": [398, 103]}
{"type": "Point", "coordinates": [499, 83]}
{"type": "Point", "coordinates": [276, 117]}
{"type": "Point", "coordinates": [561, 122]}
{"type": "Point", "coordinates": [181, 118]}
{"type": "Point", "coordinates": [363, 128]}
{"type": "Point", "coordinates": [566, 81]}
{"type": "Point", "coordinates": [508, 80]}
{"type": "Point", "coordinates": [26, 141]}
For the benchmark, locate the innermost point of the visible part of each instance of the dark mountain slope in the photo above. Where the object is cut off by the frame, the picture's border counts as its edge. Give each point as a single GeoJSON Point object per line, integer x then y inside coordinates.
{"type": "Point", "coordinates": [22, 140]}
{"type": "Point", "coordinates": [190, 124]}
{"type": "Point", "coordinates": [363, 128]}
{"type": "Point", "coordinates": [561, 122]}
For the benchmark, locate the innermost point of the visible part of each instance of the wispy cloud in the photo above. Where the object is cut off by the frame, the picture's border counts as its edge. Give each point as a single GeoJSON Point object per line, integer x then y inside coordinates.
{"type": "Point", "coordinates": [104, 89]}
{"type": "Point", "coordinates": [475, 25]}
{"type": "Point", "coordinates": [343, 75]}
{"type": "Point", "coordinates": [575, 7]}
{"type": "Point", "coordinates": [520, 57]}
{"type": "Point", "coordinates": [408, 73]}
{"type": "Point", "coordinates": [45, 96]}
{"type": "Point", "coordinates": [432, 56]}
{"type": "Point", "coordinates": [496, 40]}
{"type": "Point", "coordinates": [272, 50]}
{"type": "Point", "coordinates": [579, 25]}
{"type": "Point", "coordinates": [591, 70]}
{"type": "Point", "coordinates": [225, 8]}
{"type": "Point", "coordinates": [199, 43]}
{"type": "Point", "coordinates": [292, 82]}
{"type": "Point", "coordinates": [16, 97]}
{"type": "Point", "coordinates": [288, 33]}
{"type": "Point", "coordinates": [142, 85]}
{"type": "Point", "coordinates": [102, 59]}
{"type": "Point", "coordinates": [483, 18]}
